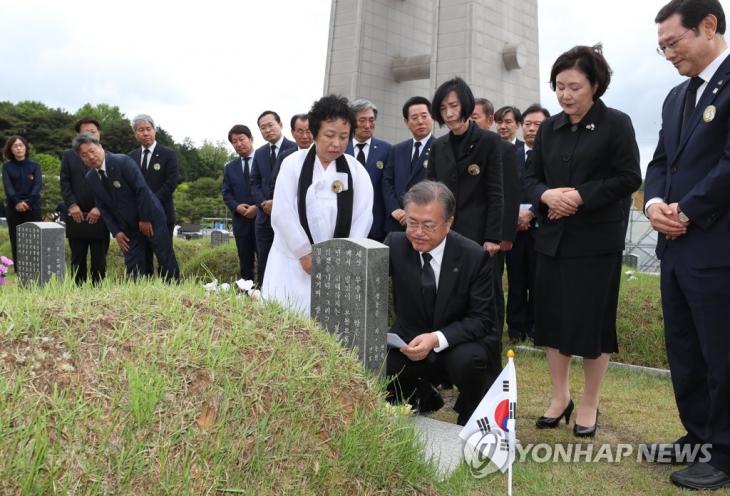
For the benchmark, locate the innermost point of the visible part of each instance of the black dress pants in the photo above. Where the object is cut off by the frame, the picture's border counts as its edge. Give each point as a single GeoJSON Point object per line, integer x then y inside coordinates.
{"type": "Point", "coordinates": [464, 365]}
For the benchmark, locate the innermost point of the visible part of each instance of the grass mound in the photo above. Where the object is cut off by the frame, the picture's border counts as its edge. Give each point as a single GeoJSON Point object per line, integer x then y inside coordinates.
{"type": "Point", "coordinates": [154, 389]}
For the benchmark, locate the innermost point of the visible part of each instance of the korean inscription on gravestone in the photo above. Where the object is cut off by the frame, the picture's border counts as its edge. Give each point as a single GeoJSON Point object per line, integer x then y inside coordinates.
{"type": "Point", "coordinates": [350, 295]}
{"type": "Point", "coordinates": [41, 250]}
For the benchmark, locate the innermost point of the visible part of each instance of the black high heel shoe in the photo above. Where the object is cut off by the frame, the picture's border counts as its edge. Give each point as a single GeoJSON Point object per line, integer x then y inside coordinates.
{"type": "Point", "coordinates": [581, 431]}
{"type": "Point", "coordinates": [552, 422]}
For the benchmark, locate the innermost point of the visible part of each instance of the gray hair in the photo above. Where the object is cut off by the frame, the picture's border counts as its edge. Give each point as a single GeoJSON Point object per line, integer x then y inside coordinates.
{"type": "Point", "coordinates": [361, 104]}
{"type": "Point", "coordinates": [142, 118]}
{"type": "Point", "coordinates": [428, 191]}
{"type": "Point", "coordinates": [83, 139]}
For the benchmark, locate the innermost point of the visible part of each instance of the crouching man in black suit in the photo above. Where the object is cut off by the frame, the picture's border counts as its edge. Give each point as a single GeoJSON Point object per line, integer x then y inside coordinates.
{"type": "Point", "coordinates": [442, 294]}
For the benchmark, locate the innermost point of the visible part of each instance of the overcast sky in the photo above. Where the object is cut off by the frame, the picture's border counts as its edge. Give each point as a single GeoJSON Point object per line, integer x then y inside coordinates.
{"type": "Point", "coordinates": [198, 68]}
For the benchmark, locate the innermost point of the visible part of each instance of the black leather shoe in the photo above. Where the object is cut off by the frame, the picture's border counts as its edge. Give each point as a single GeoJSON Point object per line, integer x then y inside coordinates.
{"type": "Point", "coordinates": [700, 475]}
{"type": "Point", "coordinates": [552, 422]}
{"type": "Point", "coordinates": [581, 431]}
{"type": "Point", "coordinates": [429, 399]}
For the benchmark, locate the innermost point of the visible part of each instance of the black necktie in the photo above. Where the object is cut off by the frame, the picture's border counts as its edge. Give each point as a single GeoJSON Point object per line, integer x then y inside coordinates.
{"type": "Point", "coordinates": [246, 172]}
{"type": "Point", "coordinates": [428, 286]}
{"type": "Point", "coordinates": [105, 181]}
{"type": "Point", "coordinates": [361, 154]}
{"type": "Point", "coordinates": [414, 159]}
{"type": "Point", "coordinates": [146, 160]}
{"type": "Point", "coordinates": [690, 100]}
{"type": "Point", "coordinates": [528, 156]}
{"type": "Point", "coordinates": [273, 156]}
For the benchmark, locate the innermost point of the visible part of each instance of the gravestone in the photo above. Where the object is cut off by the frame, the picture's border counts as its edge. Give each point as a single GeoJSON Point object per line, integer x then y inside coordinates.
{"type": "Point", "coordinates": [350, 295]}
{"type": "Point", "coordinates": [631, 260]}
{"type": "Point", "coordinates": [41, 250]}
{"type": "Point", "coordinates": [218, 238]}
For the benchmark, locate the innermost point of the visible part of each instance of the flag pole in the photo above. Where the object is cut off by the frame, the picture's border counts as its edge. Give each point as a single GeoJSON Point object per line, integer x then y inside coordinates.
{"type": "Point", "coordinates": [511, 437]}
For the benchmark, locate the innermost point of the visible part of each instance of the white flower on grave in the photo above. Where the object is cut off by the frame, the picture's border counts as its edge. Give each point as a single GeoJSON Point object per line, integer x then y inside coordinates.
{"type": "Point", "coordinates": [224, 287]}
{"type": "Point", "coordinates": [245, 285]}
{"type": "Point", "coordinates": [629, 273]}
{"type": "Point", "coordinates": [212, 286]}
{"type": "Point", "coordinates": [255, 294]}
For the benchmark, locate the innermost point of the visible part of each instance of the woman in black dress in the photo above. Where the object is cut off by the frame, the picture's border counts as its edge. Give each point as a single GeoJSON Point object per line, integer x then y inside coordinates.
{"type": "Point", "coordinates": [584, 166]}
{"type": "Point", "coordinates": [22, 182]}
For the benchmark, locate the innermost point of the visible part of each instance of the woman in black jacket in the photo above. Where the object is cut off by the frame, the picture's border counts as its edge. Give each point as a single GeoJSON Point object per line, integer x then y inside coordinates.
{"type": "Point", "coordinates": [584, 166]}
{"type": "Point", "coordinates": [22, 181]}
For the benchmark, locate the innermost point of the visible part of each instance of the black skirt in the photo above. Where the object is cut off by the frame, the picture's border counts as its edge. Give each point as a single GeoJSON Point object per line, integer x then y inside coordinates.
{"type": "Point", "coordinates": [575, 303]}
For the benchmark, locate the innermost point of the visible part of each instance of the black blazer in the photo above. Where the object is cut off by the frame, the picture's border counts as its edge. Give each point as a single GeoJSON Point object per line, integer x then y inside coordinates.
{"type": "Point", "coordinates": [693, 169]}
{"type": "Point", "coordinates": [262, 177]}
{"type": "Point", "coordinates": [464, 298]}
{"type": "Point", "coordinates": [398, 177]}
{"type": "Point", "coordinates": [74, 188]}
{"type": "Point", "coordinates": [512, 191]}
{"type": "Point", "coordinates": [162, 176]}
{"type": "Point", "coordinates": [237, 191]}
{"type": "Point", "coordinates": [129, 199]}
{"type": "Point", "coordinates": [479, 196]}
{"type": "Point", "coordinates": [599, 157]}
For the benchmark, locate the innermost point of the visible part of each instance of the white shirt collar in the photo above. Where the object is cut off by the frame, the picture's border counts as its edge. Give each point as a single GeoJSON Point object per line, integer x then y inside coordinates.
{"type": "Point", "coordinates": [355, 142]}
{"type": "Point", "coordinates": [278, 144]}
{"type": "Point", "coordinates": [151, 149]}
{"type": "Point", "coordinates": [423, 140]}
{"type": "Point", "coordinates": [438, 252]}
{"type": "Point", "coordinates": [103, 166]}
{"type": "Point", "coordinates": [709, 72]}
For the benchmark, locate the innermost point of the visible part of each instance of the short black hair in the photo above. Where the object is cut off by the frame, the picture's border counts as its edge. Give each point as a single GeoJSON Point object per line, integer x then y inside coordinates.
{"type": "Point", "coordinates": [295, 118]}
{"type": "Point", "coordinates": [486, 105]}
{"type": "Point", "coordinates": [330, 108]}
{"type": "Point", "coordinates": [415, 100]}
{"type": "Point", "coordinates": [239, 129]}
{"type": "Point", "coordinates": [8, 153]}
{"type": "Point", "coordinates": [535, 107]}
{"type": "Point", "coordinates": [267, 112]}
{"type": "Point", "coordinates": [589, 61]}
{"type": "Point", "coordinates": [463, 93]}
{"type": "Point", "coordinates": [83, 139]}
{"type": "Point", "coordinates": [86, 120]}
{"type": "Point", "coordinates": [500, 114]}
{"type": "Point", "coordinates": [427, 191]}
{"type": "Point", "coordinates": [692, 12]}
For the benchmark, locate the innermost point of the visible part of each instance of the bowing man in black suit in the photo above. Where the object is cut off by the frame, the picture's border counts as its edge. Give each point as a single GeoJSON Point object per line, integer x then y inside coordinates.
{"type": "Point", "coordinates": [239, 199]}
{"type": "Point", "coordinates": [442, 294]}
{"type": "Point", "coordinates": [130, 210]}
{"type": "Point", "coordinates": [85, 229]}
{"type": "Point", "coordinates": [158, 164]}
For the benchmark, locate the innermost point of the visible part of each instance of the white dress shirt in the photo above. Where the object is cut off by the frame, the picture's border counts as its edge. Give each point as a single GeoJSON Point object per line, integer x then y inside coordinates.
{"type": "Point", "coordinates": [437, 256]}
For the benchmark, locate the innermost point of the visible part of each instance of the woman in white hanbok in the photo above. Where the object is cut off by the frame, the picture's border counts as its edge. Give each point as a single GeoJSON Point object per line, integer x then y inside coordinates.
{"type": "Point", "coordinates": [320, 194]}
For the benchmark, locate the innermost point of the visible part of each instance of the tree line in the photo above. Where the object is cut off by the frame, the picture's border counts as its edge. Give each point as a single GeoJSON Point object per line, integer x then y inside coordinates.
{"type": "Point", "coordinates": [50, 131]}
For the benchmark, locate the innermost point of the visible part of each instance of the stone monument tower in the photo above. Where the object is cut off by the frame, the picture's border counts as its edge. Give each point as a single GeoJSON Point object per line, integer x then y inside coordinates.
{"type": "Point", "coordinates": [389, 50]}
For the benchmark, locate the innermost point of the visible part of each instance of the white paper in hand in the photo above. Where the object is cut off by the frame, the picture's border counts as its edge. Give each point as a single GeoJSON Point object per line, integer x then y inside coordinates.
{"type": "Point", "coordinates": [395, 341]}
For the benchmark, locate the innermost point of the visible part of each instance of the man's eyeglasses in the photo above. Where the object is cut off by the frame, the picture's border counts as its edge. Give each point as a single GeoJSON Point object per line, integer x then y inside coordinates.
{"type": "Point", "coordinates": [428, 227]}
{"type": "Point", "coordinates": [662, 50]}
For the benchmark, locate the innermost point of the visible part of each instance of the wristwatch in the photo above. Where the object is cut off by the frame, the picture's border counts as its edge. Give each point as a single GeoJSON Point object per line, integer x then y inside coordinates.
{"type": "Point", "coordinates": [682, 216]}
